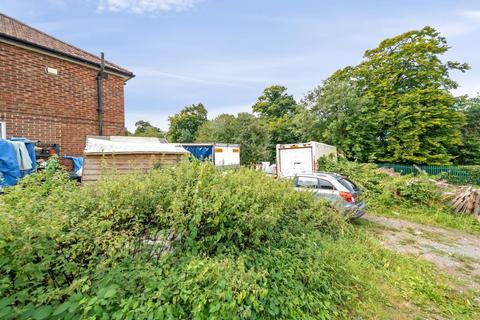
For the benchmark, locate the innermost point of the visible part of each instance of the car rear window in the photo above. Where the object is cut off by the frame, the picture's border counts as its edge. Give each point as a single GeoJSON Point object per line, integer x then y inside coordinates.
{"type": "Point", "coordinates": [348, 184]}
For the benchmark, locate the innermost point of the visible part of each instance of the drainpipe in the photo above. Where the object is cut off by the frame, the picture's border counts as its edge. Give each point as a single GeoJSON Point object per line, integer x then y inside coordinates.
{"type": "Point", "coordinates": [101, 75]}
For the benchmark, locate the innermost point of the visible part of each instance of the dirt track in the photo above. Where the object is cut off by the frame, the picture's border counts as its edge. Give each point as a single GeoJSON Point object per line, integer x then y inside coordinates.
{"type": "Point", "coordinates": [457, 253]}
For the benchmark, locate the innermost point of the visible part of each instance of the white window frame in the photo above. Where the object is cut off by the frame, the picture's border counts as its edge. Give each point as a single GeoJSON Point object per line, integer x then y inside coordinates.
{"type": "Point", "coordinates": [3, 130]}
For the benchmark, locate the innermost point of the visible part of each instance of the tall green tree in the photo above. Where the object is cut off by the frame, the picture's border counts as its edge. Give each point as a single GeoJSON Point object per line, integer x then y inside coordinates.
{"type": "Point", "coordinates": [185, 124]}
{"type": "Point", "coordinates": [221, 129]}
{"type": "Point", "coordinates": [332, 112]}
{"type": "Point", "coordinates": [145, 129]}
{"type": "Point", "coordinates": [276, 110]}
{"type": "Point", "coordinates": [245, 129]}
{"type": "Point", "coordinates": [469, 151]}
{"type": "Point", "coordinates": [275, 102]}
{"type": "Point", "coordinates": [406, 112]}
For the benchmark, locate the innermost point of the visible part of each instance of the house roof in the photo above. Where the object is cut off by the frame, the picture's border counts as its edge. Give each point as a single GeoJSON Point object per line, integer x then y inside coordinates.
{"type": "Point", "coordinates": [14, 30]}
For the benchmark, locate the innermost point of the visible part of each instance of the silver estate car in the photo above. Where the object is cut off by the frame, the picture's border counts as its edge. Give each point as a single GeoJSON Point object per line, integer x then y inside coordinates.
{"type": "Point", "coordinates": [344, 195]}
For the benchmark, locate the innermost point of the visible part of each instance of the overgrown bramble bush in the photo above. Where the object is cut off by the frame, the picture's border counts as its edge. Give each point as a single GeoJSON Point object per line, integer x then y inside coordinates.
{"type": "Point", "coordinates": [366, 175]}
{"type": "Point", "coordinates": [412, 190]}
{"type": "Point", "coordinates": [184, 242]}
{"type": "Point", "coordinates": [379, 186]}
{"type": "Point", "coordinates": [192, 242]}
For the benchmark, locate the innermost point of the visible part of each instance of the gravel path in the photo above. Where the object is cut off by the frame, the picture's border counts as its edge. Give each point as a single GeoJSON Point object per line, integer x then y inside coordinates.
{"type": "Point", "coordinates": [455, 252]}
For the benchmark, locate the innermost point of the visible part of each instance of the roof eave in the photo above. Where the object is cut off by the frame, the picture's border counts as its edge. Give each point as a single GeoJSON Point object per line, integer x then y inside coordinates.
{"type": "Point", "coordinates": [127, 75]}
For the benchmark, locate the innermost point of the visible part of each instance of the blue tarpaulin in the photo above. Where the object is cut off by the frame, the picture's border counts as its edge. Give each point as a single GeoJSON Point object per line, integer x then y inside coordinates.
{"type": "Point", "coordinates": [77, 162]}
{"type": "Point", "coordinates": [10, 171]}
{"type": "Point", "coordinates": [31, 152]}
{"type": "Point", "coordinates": [200, 152]}
{"type": "Point", "coordinates": [9, 167]}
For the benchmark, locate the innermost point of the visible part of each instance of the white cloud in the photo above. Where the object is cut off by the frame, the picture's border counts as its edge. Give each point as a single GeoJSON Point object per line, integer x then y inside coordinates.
{"type": "Point", "coordinates": [155, 73]}
{"type": "Point", "coordinates": [57, 2]}
{"type": "Point", "coordinates": [455, 29]}
{"type": "Point", "coordinates": [475, 14]}
{"type": "Point", "coordinates": [145, 6]}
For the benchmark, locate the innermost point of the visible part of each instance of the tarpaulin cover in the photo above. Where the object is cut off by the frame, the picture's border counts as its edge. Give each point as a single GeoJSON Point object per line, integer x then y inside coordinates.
{"type": "Point", "coordinates": [31, 152]}
{"type": "Point", "coordinates": [77, 162]}
{"type": "Point", "coordinates": [200, 152]}
{"type": "Point", "coordinates": [9, 167]}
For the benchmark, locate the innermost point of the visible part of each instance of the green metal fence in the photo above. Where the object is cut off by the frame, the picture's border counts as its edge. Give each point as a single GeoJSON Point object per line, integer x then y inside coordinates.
{"type": "Point", "coordinates": [454, 174]}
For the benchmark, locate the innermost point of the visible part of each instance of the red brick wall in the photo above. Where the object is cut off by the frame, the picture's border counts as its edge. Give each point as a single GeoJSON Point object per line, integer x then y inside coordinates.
{"type": "Point", "coordinates": [55, 109]}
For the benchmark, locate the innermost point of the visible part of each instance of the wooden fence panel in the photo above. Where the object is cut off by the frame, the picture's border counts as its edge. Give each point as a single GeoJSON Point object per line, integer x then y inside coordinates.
{"type": "Point", "coordinates": [95, 165]}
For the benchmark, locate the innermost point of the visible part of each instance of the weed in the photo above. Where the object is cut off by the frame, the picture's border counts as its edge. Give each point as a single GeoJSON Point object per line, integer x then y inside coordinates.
{"type": "Point", "coordinates": [232, 245]}
{"type": "Point", "coordinates": [464, 259]}
{"type": "Point", "coordinates": [408, 242]}
{"type": "Point", "coordinates": [415, 198]}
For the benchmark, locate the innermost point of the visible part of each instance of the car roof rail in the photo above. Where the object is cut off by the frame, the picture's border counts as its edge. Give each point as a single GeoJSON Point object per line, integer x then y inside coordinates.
{"type": "Point", "coordinates": [315, 173]}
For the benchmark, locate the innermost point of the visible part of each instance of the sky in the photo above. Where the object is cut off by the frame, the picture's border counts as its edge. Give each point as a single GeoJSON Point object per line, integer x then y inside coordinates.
{"type": "Point", "coordinates": [223, 53]}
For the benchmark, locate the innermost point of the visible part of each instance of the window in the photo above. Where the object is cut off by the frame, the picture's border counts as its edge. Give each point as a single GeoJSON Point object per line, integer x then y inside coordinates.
{"type": "Point", "coordinates": [348, 184]}
{"type": "Point", "coordinates": [325, 185]}
{"type": "Point", "coordinates": [307, 182]}
{"type": "Point", "coordinates": [3, 130]}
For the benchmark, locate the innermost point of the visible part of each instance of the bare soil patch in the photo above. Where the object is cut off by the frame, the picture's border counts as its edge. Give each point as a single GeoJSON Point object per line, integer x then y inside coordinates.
{"type": "Point", "coordinates": [454, 252]}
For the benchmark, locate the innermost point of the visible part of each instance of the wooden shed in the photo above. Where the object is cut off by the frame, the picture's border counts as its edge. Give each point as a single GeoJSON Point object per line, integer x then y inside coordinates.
{"type": "Point", "coordinates": [127, 154]}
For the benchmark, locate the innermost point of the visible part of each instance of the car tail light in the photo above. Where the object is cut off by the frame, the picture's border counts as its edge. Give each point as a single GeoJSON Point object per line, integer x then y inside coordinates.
{"type": "Point", "coordinates": [347, 196]}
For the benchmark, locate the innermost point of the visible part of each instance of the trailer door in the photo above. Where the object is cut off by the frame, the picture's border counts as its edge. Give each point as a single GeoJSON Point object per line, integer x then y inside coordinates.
{"type": "Point", "coordinates": [227, 156]}
{"type": "Point", "coordinates": [295, 160]}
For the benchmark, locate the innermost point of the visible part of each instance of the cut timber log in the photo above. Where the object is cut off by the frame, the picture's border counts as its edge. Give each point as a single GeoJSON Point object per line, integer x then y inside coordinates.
{"type": "Point", "coordinates": [467, 202]}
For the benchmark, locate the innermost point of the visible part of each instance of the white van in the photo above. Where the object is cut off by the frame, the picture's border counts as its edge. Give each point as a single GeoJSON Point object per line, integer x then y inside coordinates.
{"type": "Point", "coordinates": [301, 157]}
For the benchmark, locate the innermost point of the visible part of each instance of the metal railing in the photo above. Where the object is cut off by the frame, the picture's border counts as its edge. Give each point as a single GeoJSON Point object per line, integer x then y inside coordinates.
{"type": "Point", "coordinates": [454, 174]}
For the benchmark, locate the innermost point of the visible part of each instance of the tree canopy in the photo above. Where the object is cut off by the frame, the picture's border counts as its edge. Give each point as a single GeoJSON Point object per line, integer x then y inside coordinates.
{"type": "Point", "coordinates": [396, 106]}
{"type": "Point", "coordinates": [244, 129]}
{"type": "Point", "coordinates": [277, 109]}
{"type": "Point", "coordinates": [334, 109]}
{"type": "Point", "coordinates": [185, 124]}
{"type": "Point", "coordinates": [221, 129]}
{"type": "Point", "coordinates": [145, 129]}
{"type": "Point", "coordinates": [469, 151]}
{"type": "Point", "coordinates": [275, 102]}
{"type": "Point", "coordinates": [399, 108]}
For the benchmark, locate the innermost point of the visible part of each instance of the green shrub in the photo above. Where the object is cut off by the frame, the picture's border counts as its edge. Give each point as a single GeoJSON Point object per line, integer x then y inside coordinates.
{"type": "Point", "coordinates": [380, 186]}
{"type": "Point", "coordinates": [416, 198]}
{"type": "Point", "coordinates": [188, 242]}
{"type": "Point", "coordinates": [365, 175]}
{"type": "Point", "coordinates": [414, 190]}
{"type": "Point", "coordinates": [169, 243]}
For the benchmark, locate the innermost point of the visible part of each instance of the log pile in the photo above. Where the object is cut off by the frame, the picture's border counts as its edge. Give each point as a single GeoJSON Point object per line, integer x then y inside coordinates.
{"type": "Point", "coordinates": [467, 202]}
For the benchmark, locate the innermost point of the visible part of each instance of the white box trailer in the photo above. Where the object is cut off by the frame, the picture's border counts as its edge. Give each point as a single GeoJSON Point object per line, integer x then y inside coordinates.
{"type": "Point", "coordinates": [221, 154]}
{"type": "Point", "coordinates": [301, 157]}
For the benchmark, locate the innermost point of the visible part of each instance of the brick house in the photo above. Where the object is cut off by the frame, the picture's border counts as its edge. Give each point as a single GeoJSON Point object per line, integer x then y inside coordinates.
{"type": "Point", "coordinates": [54, 92]}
